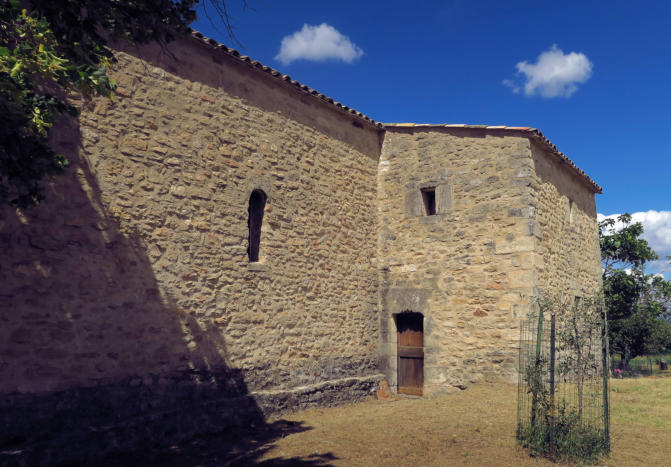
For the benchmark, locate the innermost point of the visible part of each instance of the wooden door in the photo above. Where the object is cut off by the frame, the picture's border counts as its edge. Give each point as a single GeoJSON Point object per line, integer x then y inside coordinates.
{"type": "Point", "coordinates": [410, 338]}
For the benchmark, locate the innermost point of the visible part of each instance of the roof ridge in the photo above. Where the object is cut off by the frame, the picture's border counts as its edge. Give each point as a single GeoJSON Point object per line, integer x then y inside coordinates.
{"type": "Point", "coordinates": [279, 75]}
{"type": "Point", "coordinates": [534, 132]}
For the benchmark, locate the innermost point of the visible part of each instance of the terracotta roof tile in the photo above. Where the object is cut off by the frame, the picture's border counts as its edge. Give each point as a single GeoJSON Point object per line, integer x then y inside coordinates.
{"type": "Point", "coordinates": [531, 132]}
{"type": "Point", "coordinates": [272, 72]}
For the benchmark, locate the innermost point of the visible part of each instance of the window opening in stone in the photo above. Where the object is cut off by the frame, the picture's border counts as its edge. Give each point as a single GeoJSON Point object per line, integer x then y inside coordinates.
{"type": "Point", "coordinates": [570, 211]}
{"type": "Point", "coordinates": [257, 203]}
{"type": "Point", "coordinates": [429, 197]}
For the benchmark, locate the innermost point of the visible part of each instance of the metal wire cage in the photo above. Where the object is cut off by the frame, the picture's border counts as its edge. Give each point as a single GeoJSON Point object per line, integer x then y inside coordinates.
{"type": "Point", "coordinates": [563, 400]}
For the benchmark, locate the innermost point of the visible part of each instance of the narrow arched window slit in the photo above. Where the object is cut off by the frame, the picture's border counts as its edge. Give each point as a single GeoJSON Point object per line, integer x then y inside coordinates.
{"type": "Point", "coordinates": [257, 204]}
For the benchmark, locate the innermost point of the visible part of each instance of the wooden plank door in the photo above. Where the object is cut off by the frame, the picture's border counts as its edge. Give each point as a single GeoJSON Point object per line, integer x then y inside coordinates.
{"type": "Point", "coordinates": [410, 338]}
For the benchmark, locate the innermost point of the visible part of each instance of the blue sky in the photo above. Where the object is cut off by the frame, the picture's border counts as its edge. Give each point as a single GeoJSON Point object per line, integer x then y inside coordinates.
{"type": "Point", "coordinates": [593, 76]}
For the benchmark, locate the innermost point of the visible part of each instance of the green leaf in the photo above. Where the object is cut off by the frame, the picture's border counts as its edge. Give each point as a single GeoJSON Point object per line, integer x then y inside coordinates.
{"type": "Point", "coordinates": [16, 69]}
{"type": "Point", "coordinates": [4, 52]}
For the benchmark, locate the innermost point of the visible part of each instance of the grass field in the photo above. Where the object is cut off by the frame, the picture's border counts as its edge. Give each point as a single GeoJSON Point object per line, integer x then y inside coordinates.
{"type": "Point", "coordinates": [472, 427]}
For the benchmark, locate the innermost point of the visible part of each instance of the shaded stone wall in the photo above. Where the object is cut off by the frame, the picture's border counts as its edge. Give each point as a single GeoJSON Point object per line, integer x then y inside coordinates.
{"type": "Point", "coordinates": [568, 259]}
{"type": "Point", "coordinates": [133, 276]}
{"type": "Point", "coordinates": [468, 269]}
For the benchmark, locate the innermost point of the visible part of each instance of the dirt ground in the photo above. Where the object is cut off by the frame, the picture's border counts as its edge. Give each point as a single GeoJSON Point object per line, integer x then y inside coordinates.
{"type": "Point", "coordinates": [471, 427]}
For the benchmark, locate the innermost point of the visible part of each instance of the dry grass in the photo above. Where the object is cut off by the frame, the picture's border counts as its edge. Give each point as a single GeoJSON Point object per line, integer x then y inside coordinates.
{"type": "Point", "coordinates": [641, 419]}
{"type": "Point", "coordinates": [472, 427]}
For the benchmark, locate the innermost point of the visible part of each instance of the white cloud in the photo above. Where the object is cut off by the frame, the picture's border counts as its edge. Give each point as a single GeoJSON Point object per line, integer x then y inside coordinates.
{"type": "Point", "coordinates": [657, 232]}
{"type": "Point", "coordinates": [555, 74]}
{"type": "Point", "coordinates": [318, 43]}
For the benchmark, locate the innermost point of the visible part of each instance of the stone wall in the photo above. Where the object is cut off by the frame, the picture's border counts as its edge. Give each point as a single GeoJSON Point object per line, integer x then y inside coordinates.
{"type": "Point", "coordinates": [568, 259]}
{"type": "Point", "coordinates": [468, 269]}
{"type": "Point", "coordinates": [133, 277]}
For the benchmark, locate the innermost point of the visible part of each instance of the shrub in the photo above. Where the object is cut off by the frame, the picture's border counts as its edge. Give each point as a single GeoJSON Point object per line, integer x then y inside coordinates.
{"type": "Point", "coordinates": [563, 437]}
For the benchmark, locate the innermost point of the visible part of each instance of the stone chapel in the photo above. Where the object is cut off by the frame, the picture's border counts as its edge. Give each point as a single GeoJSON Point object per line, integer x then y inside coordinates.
{"type": "Point", "coordinates": [228, 242]}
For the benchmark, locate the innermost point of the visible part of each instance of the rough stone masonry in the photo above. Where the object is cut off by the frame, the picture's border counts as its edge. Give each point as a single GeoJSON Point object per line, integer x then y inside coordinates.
{"type": "Point", "coordinates": [131, 310]}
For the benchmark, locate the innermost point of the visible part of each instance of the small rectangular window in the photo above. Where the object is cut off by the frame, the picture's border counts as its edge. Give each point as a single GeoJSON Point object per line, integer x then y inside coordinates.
{"type": "Point", "coordinates": [429, 197]}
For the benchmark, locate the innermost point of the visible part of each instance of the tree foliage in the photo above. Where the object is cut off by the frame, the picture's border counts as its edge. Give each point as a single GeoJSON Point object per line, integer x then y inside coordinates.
{"type": "Point", "coordinates": [51, 48]}
{"type": "Point", "coordinates": [637, 303]}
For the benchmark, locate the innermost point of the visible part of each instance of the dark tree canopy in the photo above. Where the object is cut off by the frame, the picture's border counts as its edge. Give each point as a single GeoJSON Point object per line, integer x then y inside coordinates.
{"type": "Point", "coordinates": [49, 48]}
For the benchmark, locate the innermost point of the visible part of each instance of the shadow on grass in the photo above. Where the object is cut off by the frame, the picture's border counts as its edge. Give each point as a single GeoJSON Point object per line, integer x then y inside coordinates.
{"type": "Point", "coordinates": [233, 447]}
